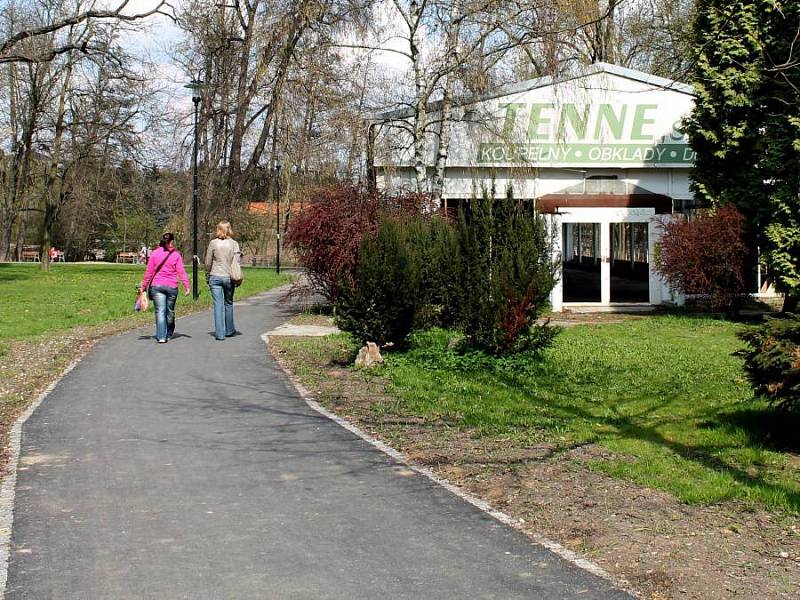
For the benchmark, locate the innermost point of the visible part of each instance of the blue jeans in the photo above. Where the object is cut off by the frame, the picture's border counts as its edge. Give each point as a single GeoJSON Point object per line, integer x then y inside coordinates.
{"type": "Point", "coordinates": [164, 298]}
{"type": "Point", "coordinates": [222, 293]}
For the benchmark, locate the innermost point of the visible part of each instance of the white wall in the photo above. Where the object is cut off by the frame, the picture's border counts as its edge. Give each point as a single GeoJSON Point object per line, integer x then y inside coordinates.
{"type": "Point", "coordinates": [462, 182]}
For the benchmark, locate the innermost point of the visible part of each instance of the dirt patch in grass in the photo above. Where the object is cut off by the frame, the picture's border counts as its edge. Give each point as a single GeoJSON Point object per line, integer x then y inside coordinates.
{"type": "Point", "coordinates": [310, 318]}
{"type": "Point", "coordinates": [663, 548]}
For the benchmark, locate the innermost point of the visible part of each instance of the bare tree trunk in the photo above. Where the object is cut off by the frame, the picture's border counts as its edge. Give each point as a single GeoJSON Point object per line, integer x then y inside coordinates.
{"type": "Point", "coordinates": [272, 180]}
{"type": "Point", "coordinates": [444, 143]}
{"type": "Point", "coordinates": [54, 195]}
{"type": "Point", "coordinates": [8, 213]}
{"type": "Point", "coordinates": [357, 129]}
{"type": "Point", "coordinates": [243, 96]}
{"type": "Point", "coordinates": [270, 115]}
{"type": "Point", "coordinates": [21, 166]}
{"type": "Point", "coordinates": [22, 233]}
{"type": "Point", "coordinates": [45, 233]}
{"type": "Point", "coordinates": [307, 134]}
{"type": "Point", "coordinates": [5, 236]}
{"type": "Point", "coordinates": [372, 176]}
{"type": "Point", "coordinates": [420, 164]}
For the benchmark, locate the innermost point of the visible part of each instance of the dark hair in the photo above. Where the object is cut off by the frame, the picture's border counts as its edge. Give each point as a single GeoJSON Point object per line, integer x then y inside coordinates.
{"type": "Point", "coordinates": [165, 240]}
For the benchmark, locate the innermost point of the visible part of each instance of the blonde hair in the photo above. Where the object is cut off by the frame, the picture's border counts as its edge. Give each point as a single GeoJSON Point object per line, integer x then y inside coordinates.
{"type": "Point", "coordinates": [224, 230]}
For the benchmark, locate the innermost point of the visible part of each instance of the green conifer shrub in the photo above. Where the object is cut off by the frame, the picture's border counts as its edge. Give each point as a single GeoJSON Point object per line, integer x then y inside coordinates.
{"type": "Point", "coordinates": [381, 303]}
{"type": "Point", "coordinates": [506, 275]}
{"type": "Point", "coordinates": [772, 360]}
{"type": "Point", "coordinates": [434, 241]}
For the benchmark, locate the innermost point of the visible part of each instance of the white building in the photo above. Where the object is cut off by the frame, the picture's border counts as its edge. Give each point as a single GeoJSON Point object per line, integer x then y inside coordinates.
{"type": "Point", "coordinates": [600, 153]}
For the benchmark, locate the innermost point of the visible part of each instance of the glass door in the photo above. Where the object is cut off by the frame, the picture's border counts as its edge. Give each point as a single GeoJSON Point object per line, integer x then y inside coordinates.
{"type": "Point", "coordinates": [581, 262]}
{"type": "Point", "coordinates": [630, 263]}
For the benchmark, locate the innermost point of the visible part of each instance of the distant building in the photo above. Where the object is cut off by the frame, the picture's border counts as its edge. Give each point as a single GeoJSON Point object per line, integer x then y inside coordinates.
{"type": "Point", "coordinates": [601, 154]}
{"type": "Point", "coordinates": [260, 250]}
{"type": "Point", "coordinates": [267, 209]}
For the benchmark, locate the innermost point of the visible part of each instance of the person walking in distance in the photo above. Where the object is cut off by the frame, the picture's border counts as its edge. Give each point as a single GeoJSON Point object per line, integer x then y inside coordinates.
{"type": "Point", "coordinates": [222, 251]}
{"type": "Point", "coordinates": [164, 267]}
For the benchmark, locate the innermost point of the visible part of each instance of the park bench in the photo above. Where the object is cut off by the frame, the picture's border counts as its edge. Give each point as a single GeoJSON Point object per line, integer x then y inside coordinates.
{"type": "Point", "coordinates": [261, 260]}
{"type": "Point", "coordinates": [95, 254]}
{"type": "Point", "coordinates": [127, 257]}
{"type": "Point", "coordinates": [30, 254]}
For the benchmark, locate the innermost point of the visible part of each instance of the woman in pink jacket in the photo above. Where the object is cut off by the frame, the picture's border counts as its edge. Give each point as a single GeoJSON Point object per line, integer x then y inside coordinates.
{"type": "Point", "coordinates": [164, 268]}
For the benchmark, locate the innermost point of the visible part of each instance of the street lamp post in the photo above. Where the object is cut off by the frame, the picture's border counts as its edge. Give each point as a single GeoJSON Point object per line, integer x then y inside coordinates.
{"type": "Point", "coordinates": [278, 217]}
{"type": "Point", "coordinates": [196, 86]}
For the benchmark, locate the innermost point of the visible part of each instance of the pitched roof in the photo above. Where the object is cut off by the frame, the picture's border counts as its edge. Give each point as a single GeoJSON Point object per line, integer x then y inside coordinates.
{"type": "Point", "coordinates": [540, 82]}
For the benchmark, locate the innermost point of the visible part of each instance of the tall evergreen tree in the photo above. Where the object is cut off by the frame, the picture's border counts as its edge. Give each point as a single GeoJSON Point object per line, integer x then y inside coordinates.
{"type": "Point", "coordinates": [781, 129]}
{"type": "Point", "coordinates": [745, 126]}
{"type": "Point", "coordinates": [727, 76]}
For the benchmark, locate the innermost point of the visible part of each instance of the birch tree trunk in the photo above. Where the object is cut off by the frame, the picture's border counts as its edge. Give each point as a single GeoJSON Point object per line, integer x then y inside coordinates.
{"type": "Point", "coordinates": [444, 143]}
{"type": "Point", "coordinates": [421, 99]}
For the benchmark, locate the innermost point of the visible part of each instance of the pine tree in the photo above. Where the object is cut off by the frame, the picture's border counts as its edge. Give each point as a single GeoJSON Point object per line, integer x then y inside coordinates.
{"type": "Point", "coordinates": [723, 129]}
{"type": "Point", "coordinates": [781, 108]}
{"type": "Point", "coordinates": [771, 360]}
{"type": "Point", "coordinates": [434, 242]}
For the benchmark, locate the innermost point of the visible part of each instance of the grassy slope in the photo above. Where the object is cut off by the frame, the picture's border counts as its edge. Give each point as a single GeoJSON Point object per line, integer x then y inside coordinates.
{"type": "Point", "coordinates": [34, 302]}
{"type": "Point", "coordinates": [665, 395]}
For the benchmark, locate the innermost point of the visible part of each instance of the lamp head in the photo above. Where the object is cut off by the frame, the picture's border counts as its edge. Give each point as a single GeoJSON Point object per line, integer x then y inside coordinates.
{"type": "Point", "coordinates": [196, 86]}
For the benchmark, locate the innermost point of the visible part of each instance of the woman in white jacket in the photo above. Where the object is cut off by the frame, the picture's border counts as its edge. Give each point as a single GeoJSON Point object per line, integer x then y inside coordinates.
{"type": "Point", "coordinates": [221, 253]}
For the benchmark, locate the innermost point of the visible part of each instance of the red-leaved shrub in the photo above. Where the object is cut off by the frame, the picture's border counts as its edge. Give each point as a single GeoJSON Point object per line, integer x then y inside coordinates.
{"type": "Point", "coordinates": [706, 257]}
{"type": "Point", "coordinates": [327, 235]}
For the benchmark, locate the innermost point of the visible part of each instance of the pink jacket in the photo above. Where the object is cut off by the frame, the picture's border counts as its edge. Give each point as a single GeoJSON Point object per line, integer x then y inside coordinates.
{"type": "Point", "coordinates": [169, 273]}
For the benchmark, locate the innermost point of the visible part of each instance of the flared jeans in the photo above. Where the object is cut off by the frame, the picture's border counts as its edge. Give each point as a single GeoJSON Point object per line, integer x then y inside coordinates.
{"type": "Point", "coordinates": [222, 293]}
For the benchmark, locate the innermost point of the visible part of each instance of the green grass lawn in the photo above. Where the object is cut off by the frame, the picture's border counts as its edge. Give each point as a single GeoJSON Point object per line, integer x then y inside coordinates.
{"type": "Point", "coordinates": [69, 295]}
{"type": "Point", "coordinates": [665, 395]}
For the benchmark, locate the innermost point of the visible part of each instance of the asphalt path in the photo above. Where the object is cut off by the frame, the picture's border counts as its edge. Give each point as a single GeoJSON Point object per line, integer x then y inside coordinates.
{"type": "Point", "coordinates": [194, 470]}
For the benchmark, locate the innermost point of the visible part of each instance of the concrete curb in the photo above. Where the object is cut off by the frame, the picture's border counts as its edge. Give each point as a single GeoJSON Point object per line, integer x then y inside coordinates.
{"type": "Point", "coordinates": [564, 553]}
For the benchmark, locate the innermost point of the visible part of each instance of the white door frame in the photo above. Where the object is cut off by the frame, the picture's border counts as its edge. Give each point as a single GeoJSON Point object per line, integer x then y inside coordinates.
{"type": "Point", "coordinates": [605, 216]}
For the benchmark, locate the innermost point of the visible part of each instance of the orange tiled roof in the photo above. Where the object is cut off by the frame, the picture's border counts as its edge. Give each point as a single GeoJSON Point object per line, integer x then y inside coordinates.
{"type": "Point", "coordinates": [268, 208]}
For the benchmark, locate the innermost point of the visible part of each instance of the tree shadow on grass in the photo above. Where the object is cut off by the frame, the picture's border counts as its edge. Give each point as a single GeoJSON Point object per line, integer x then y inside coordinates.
{"type": "Point", "coordinates": [772, 429]}
{"type": "Point", "coordinates": [14, 273]}
{"type": "Point", "coordinates": [705, 455]}
{"type": "Point", "coordinates": [645, 427]}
